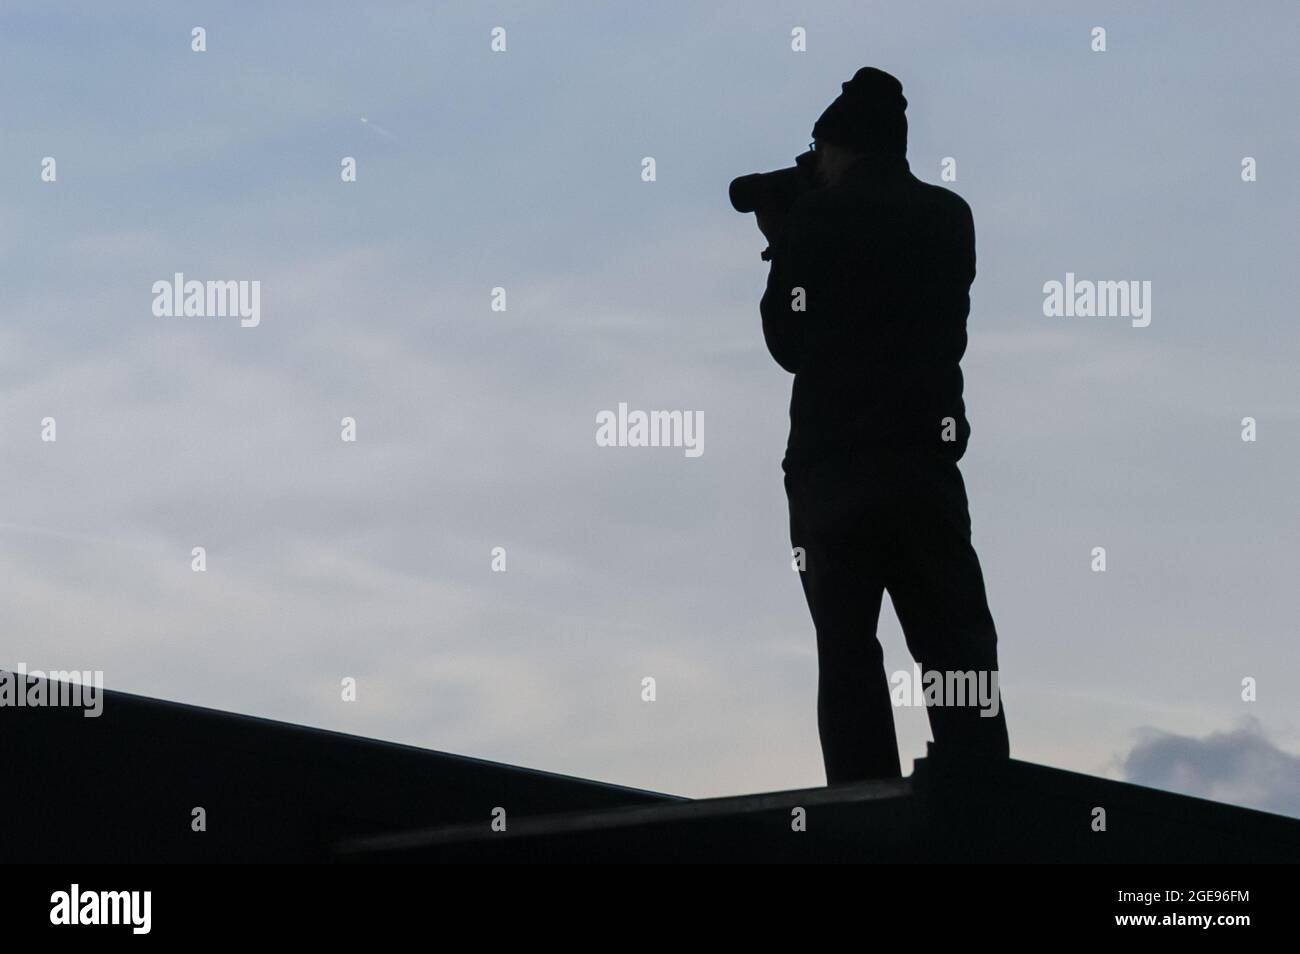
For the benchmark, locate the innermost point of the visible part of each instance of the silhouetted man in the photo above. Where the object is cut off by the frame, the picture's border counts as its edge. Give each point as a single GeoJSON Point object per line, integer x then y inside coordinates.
{"type": "Point", "coordinates": [866, 305]}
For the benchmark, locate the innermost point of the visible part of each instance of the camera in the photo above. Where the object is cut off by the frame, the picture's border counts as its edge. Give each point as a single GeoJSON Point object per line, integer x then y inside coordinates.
{"type": "Point", "coordinates": [774, 192]}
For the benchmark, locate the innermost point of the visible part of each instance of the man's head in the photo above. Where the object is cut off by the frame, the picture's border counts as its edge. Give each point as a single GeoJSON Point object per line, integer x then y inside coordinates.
{"type": "Point", "coordinates": [868, 117]}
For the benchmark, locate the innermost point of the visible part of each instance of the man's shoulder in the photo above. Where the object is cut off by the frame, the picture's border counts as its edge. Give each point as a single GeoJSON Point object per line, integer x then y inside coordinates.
{"type": "Point", "coordinates": [945, 198]}
{"type": "Point", "coordinates": [818, 202]}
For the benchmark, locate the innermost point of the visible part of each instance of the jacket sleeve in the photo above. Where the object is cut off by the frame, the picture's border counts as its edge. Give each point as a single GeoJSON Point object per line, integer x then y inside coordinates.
{"type": "Point", "coordinates": [968, 240]}
{"type": "Point", "coordinates": [783, 328]}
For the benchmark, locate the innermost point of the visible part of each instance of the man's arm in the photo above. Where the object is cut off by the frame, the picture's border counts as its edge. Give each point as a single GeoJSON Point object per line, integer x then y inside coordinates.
{"type": "Point", "coordinates": [783, 328]}
{"type": "Point", "coordinates": [967, 233]}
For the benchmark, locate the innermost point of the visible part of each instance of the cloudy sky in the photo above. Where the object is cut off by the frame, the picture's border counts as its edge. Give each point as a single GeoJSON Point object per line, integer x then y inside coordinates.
{"type": "Point", "coordinates": [475, 427]}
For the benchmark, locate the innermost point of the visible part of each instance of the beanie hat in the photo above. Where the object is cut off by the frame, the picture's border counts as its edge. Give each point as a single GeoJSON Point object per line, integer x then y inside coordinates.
{"type": "Point", "coordinates": [867, 115]}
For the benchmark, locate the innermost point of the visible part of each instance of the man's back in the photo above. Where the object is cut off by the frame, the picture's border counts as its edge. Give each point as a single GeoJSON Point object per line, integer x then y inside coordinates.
{"type": "Point", "coordinates": [885, 262]}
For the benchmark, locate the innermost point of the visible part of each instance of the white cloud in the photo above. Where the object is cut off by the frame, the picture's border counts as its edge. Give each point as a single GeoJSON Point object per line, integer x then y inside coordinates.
{"type": "Point", "coordinates": [1240, 766]}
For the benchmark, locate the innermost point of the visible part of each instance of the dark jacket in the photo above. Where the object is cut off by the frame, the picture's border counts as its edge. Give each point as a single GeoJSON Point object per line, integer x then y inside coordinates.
{"type": "Point", "coordinates": [886, 263]}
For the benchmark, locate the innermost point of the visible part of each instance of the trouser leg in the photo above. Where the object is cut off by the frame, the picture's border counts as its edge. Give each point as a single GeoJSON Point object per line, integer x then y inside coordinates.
{"type": "Point", "coordinates": [937, 589]}
{"type": "Point", "coordinates": [844, 589]}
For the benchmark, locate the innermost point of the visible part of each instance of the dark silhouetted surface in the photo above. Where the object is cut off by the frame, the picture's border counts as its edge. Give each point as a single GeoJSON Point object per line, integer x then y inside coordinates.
{"type": "Point", "coordinates": [1011, 812]}
{"type": "Point", "coordinates": [121, 788]}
